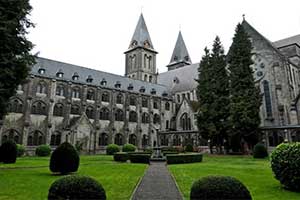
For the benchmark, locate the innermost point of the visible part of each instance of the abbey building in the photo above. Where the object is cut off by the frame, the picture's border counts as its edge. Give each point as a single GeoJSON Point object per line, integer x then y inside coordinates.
{"type": "Point", "coordinates": [63, 102]}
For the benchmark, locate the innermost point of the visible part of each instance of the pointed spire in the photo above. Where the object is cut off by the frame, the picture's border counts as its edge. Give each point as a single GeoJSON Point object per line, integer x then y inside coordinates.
{"type": "Point", "coordinates": [141, 36]}
{"type": "Point", "coordinates": [180, 52]}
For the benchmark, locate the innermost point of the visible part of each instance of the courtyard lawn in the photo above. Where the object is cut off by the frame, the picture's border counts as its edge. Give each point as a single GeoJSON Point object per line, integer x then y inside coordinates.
{"type": "Point", "coordinates": [256, 174]}
{"type": "Point", "coordinates": [30, 178]}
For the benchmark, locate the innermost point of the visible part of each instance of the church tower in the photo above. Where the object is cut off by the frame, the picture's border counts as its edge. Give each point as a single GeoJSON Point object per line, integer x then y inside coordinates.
{"type": "Point", "coordinates": [180, 56]}
{"type": "Point", "coordinates": [140, 57]}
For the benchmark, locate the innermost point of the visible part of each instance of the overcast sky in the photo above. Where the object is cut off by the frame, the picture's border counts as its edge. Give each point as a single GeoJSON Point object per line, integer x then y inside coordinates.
{"type": "Point", "coordinates": [95, 33]}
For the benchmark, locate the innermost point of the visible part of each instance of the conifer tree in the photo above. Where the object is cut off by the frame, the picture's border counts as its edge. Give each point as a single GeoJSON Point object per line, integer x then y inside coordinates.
{"type": "Point", "coordinates": [245, 98]}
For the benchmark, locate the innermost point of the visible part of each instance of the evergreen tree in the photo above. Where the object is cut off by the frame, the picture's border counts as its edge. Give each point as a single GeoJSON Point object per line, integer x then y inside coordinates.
{"type": "Point", "coordinates": [15, 56]}
{"type": "Point", "coordinates": [245, 98]}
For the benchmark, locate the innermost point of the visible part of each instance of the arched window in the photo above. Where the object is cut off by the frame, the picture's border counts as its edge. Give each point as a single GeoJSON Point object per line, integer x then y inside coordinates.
{"type": "Point", "coordinates": [38, 108]}
{"type": "Point", "coordinates": [119, 139]}
{"type": "Point", "coordinates": [75, 110]}
{"type": "Point", "coordinates": [145, 77]}
{"type": "Point", "coordinates": [90, 112]}
{"type": "Point", "coordinates": [15, 106]}
{"type": "Point", "coordinates": [185, 122]}
{"type": "Point", "coordinates": [36, 138]}
{"type": "Point", "coordinates": [89, 79]}
{"type": "Point", "coordinates": [176, 140]}
{"type": "Point", "coordinates": [144, 102]}
{"type": "Point", "coordinates": [60, 73]}
{"type": "Point", "coordinates": [119, 116]}
{"type": "Point", "coordinates": [104, 114]}
{"type": "Point", "coordinates": [12, 134]}
{"type": "Point", "coordinates": [132, 100]}
{"type": "Point", "coordinates": [145, 118]}
{"type": "Point", "coordinates": [55, 139]}
{"type": "Point", "coordinates": [155, 104]}
{"type": "Point", "coordinates": [150, 79]}
{"type": "Point", "coordinates": [167, 106]}
{"type": "Point", "coordinates": [75, 76]}
{"type": "Point", "coordinates": [119, 99]}
{"type": "Point", "coordinates": [41, 87]}
{"type": "Point", "coordinates": [132, 116]}
{"type": "Point", "coordinates": [103, 139]}
{"type": "Point", "coordinates": [105, 97]}
{"type": "Point", "coordinates": [90, 94]}
{"type": "Point", "coordinates": [268, 101]}
{"type": "Point", "coordinates": [132, 139]}
{"type": "Point", "coordinates": [144, 140]}
{"type": "Point", "coordinates": [75, 92]}
{"type": "Point", "coordinates": [156, 119]}
{"type": "Point", "coordinates": [58, 109]}
{"type": "Point", "coordinates": [60, 90]}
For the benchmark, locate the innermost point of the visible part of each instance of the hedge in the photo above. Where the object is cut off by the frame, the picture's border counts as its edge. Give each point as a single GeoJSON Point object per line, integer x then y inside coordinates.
{"type": "Point", "coordinates": [139, 158]}
{"type": "Point", "coordinates": [183, 158]}
{"type": "Point", "coordinates": [43, 150]}
{"type": "Point", "coordinates": [121, 157]}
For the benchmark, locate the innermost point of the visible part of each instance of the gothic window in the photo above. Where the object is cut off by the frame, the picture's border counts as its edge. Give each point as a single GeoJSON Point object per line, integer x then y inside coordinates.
{"type": "Point", "coordinates": [164, 140]}
{"type": "Point", "coordinates": [145, 77]}
{"type": "Point", "coordinates": [132, 61]}
{"type": "Point", "coordinates": [75, 76]}
{"type": "Point", "coordinates": [75, 92]}
{"type": "Point", "coordinates": [58, 109]}
{"type": "Point", "coordinates": [60, 74]}
{"type": "Point", "coordinates": [59, 90]}
{"type": "Point", "coordinates": [132, 100]}
{"type": "Point", "coordinates": [144, 102]}
{"type": "Point", "coordinates": [144, 140]}
{"type": "Point", "coordinates": [103, 139]}
{"type": "Point", "coordinates": [132, 116]}
{"type": "Point", "coordinates": [41, 87]}
{"type": "Point", "coordinates": [185, 122]}
{"type": "Point", "coordinates": [119, 115]}
{"type": "Point", "coordinates": [156, 119]}
{"type": "Point", "coordinates": [155, 104]}
{"type": "Point", "coordinates": [89, 112]}
{"type": "Point", "coordinates": [145, 118]}
{"type": "Point", "coordinates": [119, 99]}
{"type": "Point", "coordinates": [167, 124]}
{"type": "Point", "coordinates": [132, 139]}
{"type": "Point", "coordinates": [89, 79]}
{"type": "Point", "coordinates": [267, 99]}
{"type": "Point", "coordinates": [176, 140]}
{"type": "Point", "coordinates": [145, 60]}
{"type": "Point", "coordinates": [150, 79]}
{"type": "Point", "coordinates": [104, 114]}
{"type": "Point", "coordinates": [38, 108]}
{"type": "Point", "coordinates": [149, 61]}
{"type": "Point", "coordinates": [55, 139]}
{"type": "Point", "coordinates": [12, 135]}
{"type": "Point", "coordinates": [105, 97]}
{"type": "Point", "coordinates": [119, 139]}
{"type": "Point", "coordinates": [15, 106]}
{"type": "Point", "coordinates": [75, 110]}
{"type": "Point", "coordinates": [167, 106]}
{"type": "Point", "coordinates": [36, 138]}
{"type": "Point", "coordinates": [90, 94]}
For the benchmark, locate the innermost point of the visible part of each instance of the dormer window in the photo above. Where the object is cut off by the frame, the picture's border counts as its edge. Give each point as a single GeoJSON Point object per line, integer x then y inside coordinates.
{"type": "Point", "coordinates": [134, 43]}
{"type": "Point", "coordinates": [130, 86]}
{"type": "Point", "coordinates": [41, 71]}
{"type": "Point", "coordinates": [164, 94]}
{"type": "Point", "coordinates": [103, 82]}
{"type": "Point", "coordinates": [175, 58]}
{"type": "Point", "coordinates": [142, 89]}
{"type": "Point", "coordinates": [146, 43]}
{"type": "Point", "coordinates": [153, 91]}
{"type": "Point", "coordinates": [118, 84]}
{"type": "Point", "coordinates": [175, 80]}
{"type": "Point", "coordinates": [75, 76]}
{"type": "Point", "coordinates": [59, 74]}
{"type": "Point", "coordinates": [89, 79]}
{"type": "Point", "coordinates": [186, 58]}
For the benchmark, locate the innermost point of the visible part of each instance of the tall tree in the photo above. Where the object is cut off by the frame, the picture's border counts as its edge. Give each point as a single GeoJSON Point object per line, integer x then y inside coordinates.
{"type": "Point", "coordinates": [15, 56]}
{"type": "Point", "coordinates": [245, 99]}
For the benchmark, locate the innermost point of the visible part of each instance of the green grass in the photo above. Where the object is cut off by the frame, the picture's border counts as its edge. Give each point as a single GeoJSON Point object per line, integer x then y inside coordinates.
{"type": "Point", "coordinates": [18, 181]}
{"type": "Point", "coordinates": [256, 174]}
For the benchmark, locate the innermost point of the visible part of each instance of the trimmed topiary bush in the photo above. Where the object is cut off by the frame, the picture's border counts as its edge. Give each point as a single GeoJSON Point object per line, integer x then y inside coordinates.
{"type": "Point", "coordinates": [8, 152]}
{"type": "Point", "coordinates": [285, 163]}
{"type": "Point", "coordinates": [184, 158]}
{"type": "Point", "coordinates": [76, 187]}
{"type": "Point", "coordinates": [121, 157]}
{"type": "Point", "coordinates": [260, 151]}
{"type": "Point", "coordinates": [219, 187]}
{"type": "Point", "coordinates": [128, 148]}
{"type": "Point", "coordinates": [43, 150]}
{"type": "Point", "coordinates": [189, 148]}
{"type": "Point", "coordinates": [64, 159]}
{"type": "Point", "coordinates": [139, 158]}
{"type": "Point", "coordinates": [112, 149]}
{"type": "Point", "coordinates": [20, 150]}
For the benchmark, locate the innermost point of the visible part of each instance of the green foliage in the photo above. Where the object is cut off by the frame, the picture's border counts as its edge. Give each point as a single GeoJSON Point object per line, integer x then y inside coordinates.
{"type": "Point", "coordinates": [219, 187]}
{"type": "Point", "coordinates": [260, 151]}
{"type": "Point", "coordinates": [64, 159]}
{"type": "Point", "coordinates": [139, 158]}
{"type": "Point", "coordinates": [8, 152]}
{"type": "Point", "coordinates": [183, 158]}
{"type": "Point", "coordinates": [128, 148]}
{"type": "Point", "coordinates": [16, 58]}
{"type": "Point", "coordinates": [189, 148]}
{"type": "Point", "coordinates": [169, 149]}
{"type": "Point", "coordinates": [285, 163]}
{"type": "Point", "coordinates": [20, 150]}
{"type": "Point", "coordinates": [112, 149]}
{"type": "Point", "coordinates": [245, 98]}
{"type": "Point", "coordinates": [169, 152]}
{"type": "Point", "coordinates": [121, 156]}
{"type": "Point", "coordinates": [43, 150]}
{"type": "Point", "coordinates": [76, 187]}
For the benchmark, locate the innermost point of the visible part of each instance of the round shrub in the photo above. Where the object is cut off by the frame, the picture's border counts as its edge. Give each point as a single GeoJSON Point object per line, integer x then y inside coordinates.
{"type": "Point", "coordinates": [189, 148]}
{"type": "Point", "coordinates": [76, 187]}
{"type": "Point", "coordinates": [8, 152]}
{"type": "Point", "coordinates": [112, 148]}
{"type": "Point", "coordinates": [43, 150]}
{"type": "Point", "coordinates": [20, 150]}
{"type": "Point", "coordinates": [64, 159]}
{"type": "Point", "coordinates": [260, 151]}
{"type": "Point", "coordinates": [219, 187]}
{"type": "Point", "coordinates": [128, 148]}
{"type": "Point", "coordinates": [285, 163]}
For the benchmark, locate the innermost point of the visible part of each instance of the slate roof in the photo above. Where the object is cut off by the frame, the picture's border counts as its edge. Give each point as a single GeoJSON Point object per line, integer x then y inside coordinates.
{"type": "Point", "coordinates": [181, 79]}
{"type": "Point", "coordinates": [288, 41]}
{"type": "Point", "coordinates": [51, 67]}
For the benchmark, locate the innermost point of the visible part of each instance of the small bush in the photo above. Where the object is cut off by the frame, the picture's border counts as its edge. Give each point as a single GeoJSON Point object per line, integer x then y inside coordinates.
{"type": "Point", "coordinates": [129, 148]}
{"type": "Point", "coordinates": [285, 163]}
{"type": "Point", "coordinates": [8, 152]}
{"type": "Point", "coordinates": [219, 187]}
{"type": "Point", "coordinates": [189, 148]}
{"type": "Point", "coordinates": [20, 150]}
{"type": "Point", "coordinates": [43, 150]}
{"type": "Point", "coordinates": [260, 151]}
{"type": "Point", "coordinates": [121, 157]}
{"type": "Point", "coordinates": [76, 187]}
{"type": "Point", "coordinates": [139, 158]}
{"type": "Point", "coordinates": [64, 159]}
{"type": "Point", "coordinates": [183, 158]}
{"type": "Point", "coordinates": [112, 148]}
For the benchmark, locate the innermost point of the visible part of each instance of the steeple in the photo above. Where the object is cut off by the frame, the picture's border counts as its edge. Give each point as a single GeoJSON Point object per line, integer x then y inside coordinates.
{"type": "Point", "coordinates": [180, 56]}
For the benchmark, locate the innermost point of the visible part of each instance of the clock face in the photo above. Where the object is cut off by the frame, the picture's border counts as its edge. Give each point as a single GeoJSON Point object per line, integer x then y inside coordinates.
{"type": "Point", "coordinates": [259, 66]}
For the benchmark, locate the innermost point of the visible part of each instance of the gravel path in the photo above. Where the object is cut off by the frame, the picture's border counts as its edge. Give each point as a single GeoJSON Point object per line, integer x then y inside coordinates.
{"type": "Point", "coordinates": [157, 184]}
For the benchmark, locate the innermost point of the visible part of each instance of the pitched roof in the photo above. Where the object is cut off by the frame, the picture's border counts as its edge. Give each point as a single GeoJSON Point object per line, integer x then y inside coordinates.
{"type": "Point", "coordinates": [288, 41]}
